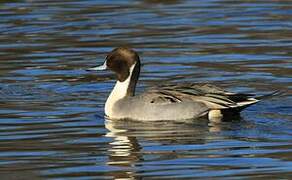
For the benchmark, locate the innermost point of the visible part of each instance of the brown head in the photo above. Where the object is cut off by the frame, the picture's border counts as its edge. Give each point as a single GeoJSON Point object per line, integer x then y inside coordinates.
{"type": "Point", "coordinates": [121, 61]}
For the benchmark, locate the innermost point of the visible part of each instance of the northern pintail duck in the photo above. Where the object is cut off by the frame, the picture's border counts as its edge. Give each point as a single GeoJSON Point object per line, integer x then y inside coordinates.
{"type": "Point", "coordinates": [165, 102]}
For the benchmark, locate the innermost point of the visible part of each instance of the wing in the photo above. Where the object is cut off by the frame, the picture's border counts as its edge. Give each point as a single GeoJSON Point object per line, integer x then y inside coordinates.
{"type": "Point", "coordinates": [213, 96]}
{"type": "Point", "coordinates": [160, 97]}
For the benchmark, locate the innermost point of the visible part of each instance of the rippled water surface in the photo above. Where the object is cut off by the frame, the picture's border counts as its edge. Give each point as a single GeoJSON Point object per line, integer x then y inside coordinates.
{"type": "Point", "coordinates": [51, 109]}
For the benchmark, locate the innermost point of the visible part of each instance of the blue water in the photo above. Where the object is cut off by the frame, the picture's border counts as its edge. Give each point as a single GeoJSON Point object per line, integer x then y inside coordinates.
{"type": "Point", "coordinates": [52, 122]}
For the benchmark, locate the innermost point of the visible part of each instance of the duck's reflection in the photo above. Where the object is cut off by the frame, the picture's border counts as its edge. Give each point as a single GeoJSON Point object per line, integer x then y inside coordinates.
{"type": "Point", "coordinates": [123, 149]}
{"type": "Point", "coordinates": [136, 142]}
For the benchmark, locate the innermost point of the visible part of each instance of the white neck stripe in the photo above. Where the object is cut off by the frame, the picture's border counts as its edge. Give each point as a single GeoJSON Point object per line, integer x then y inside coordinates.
{"type": "Point", "coordinates": [119, 91]}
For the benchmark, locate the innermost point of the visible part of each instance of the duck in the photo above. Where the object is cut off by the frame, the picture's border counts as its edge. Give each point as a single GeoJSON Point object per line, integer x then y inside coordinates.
{"type": "Point", "coordinates": [169, 102]}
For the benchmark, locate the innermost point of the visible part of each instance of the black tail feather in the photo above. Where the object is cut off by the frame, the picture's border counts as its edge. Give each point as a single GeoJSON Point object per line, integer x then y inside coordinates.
{"type": "Point", "coordinates": [236, 110]}
{"type": "Point", "coordinates": [270, 95]}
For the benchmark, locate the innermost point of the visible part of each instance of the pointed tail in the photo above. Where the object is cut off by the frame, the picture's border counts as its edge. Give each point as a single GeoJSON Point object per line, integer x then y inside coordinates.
{"type": "Point", "coordinates": [270, 95]}
{"type": "Point", "coordinates": [250, 101]}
